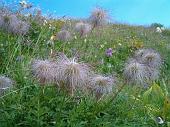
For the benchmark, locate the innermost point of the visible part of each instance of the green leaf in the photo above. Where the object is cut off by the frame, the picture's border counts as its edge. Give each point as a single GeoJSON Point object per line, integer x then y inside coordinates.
{"type": "Point", "coordinates": [146, 95]}
{"type": "Point", "coordinates": [154, 96]}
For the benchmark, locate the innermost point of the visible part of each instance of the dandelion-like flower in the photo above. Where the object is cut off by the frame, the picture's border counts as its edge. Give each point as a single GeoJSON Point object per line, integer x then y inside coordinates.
{"type": "Point", "coordinates": [64, 35]}
{"type": "Point", "coordinates": [98, 17]}
{"type": "Point", "coordinates": [71, 74]}
{"type": "Point", "coordinates": [5, 83]}
{"type": "Point", "coordinates": [102, 85]}
{"type": "Point", "coordinates": [44, 71]}
{"type": "Point", "coordinates": [83, 28]}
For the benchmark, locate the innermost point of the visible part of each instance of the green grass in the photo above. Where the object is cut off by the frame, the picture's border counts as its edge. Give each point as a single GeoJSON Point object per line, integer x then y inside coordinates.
{"type": "Point", "coordinates": [31, 105]}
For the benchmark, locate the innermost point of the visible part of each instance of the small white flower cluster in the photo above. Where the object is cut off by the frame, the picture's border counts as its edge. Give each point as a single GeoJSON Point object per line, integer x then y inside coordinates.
{"type": "Point", "coordinates": [160, 29]}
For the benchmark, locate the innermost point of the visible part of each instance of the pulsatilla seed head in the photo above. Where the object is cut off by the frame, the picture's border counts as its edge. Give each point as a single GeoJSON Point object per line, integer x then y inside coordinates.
{"type": "Point", "coordinates": [44, 71]}
{"type": "Point", "coordinates": [71, 73]}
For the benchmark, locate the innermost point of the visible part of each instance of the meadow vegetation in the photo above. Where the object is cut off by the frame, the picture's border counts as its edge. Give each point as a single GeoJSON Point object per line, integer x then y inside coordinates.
{"type": "Point", "coordinates": [82, 73]}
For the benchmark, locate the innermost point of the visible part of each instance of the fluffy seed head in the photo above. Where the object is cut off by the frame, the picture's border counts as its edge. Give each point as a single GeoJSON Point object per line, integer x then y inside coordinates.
{"type": "Point", "coordinates": [83, 28]}
{"type": "Point", "coordinates": [139, 53]}
{"type": "Point", "coordinates": [5, 83]}
{"type": "Point", "coordinates": [102, 84]}
{"type": "Point", "coordinates": [149, 57]}
{"type": "Point", "coordinates": [144, 67]}
{"type": "Point", "coordinates": [136, 73]}
{"type": "Point", "coordinates": [11, 23]}
{"type": "Point", "coordinates": [152, 59]}
{"type": "Point", "coordinates": [153, 73]}
{"type": "Point", "coordinates": [23, 28]}
{"type": "Point", "coordinates": [44, 71]}
{"type": "Point", "coordinates": [98, 17]}
{"type": "Point", "coordinates": [64, 35]}
{"type": "Point", "coordinates": [71, 73]}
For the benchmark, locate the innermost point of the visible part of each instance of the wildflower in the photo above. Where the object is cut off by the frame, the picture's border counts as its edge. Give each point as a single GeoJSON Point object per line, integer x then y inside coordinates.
{"type": "Point", "coordinates": [22, 3]}
{"type": "Point", "coordinates": [109, 52]}
{"type": "Point", "coordinates": [98, 17]}
{"type": "Point", "coordinates": [137, 45]}
{"type": "Point", "coordinates": [109, 65]}
{"type": "Point", "coordinates": [44, 71]}
{"type": "Point", "coordinates": [102, 61]}
{"type": "Point", "coordinates": [45, 22]}
{"type": "Point", "coordinates": [5, 83]}
{"type": "Point", "coordinates": [102, 85]}
{"type": "Point", "coordinates": [83, 28]}
{"type": "Point", "coordinates": [158, 30]}
{"type": "Point", "coordinates": [102, 46]}
{"type": "Point", "coordinates": [85, 40]}
{"type": "Point", "coordinates": [53, 38]}
{"type": "Point", "coordinates": [71, 74]}
{"type": "Point", "coordinates": [160, 120]}
{"type": "Point", "coordinates": [64, 35]}
{"type": "Point", "coordinates": [119, 44]}
{"type": "Point", "coordinates": [50, 42]}
{"type": "Point", "coordinates": [75, 37]}
{"type": "Point", "coordinates": [19, 58]}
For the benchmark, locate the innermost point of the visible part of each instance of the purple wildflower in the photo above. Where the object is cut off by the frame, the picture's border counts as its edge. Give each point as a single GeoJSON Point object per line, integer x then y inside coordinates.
{"type": "Point", "coordinates": [109, 52]}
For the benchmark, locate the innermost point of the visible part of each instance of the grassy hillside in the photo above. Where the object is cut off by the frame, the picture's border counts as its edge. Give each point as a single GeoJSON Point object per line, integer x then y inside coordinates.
{"type": "Point", "coordinates": [30, 104]}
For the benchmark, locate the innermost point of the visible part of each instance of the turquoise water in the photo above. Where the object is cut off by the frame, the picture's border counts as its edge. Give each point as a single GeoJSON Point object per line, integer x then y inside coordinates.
{"type": "Point", "coordinates": [139, 12]}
